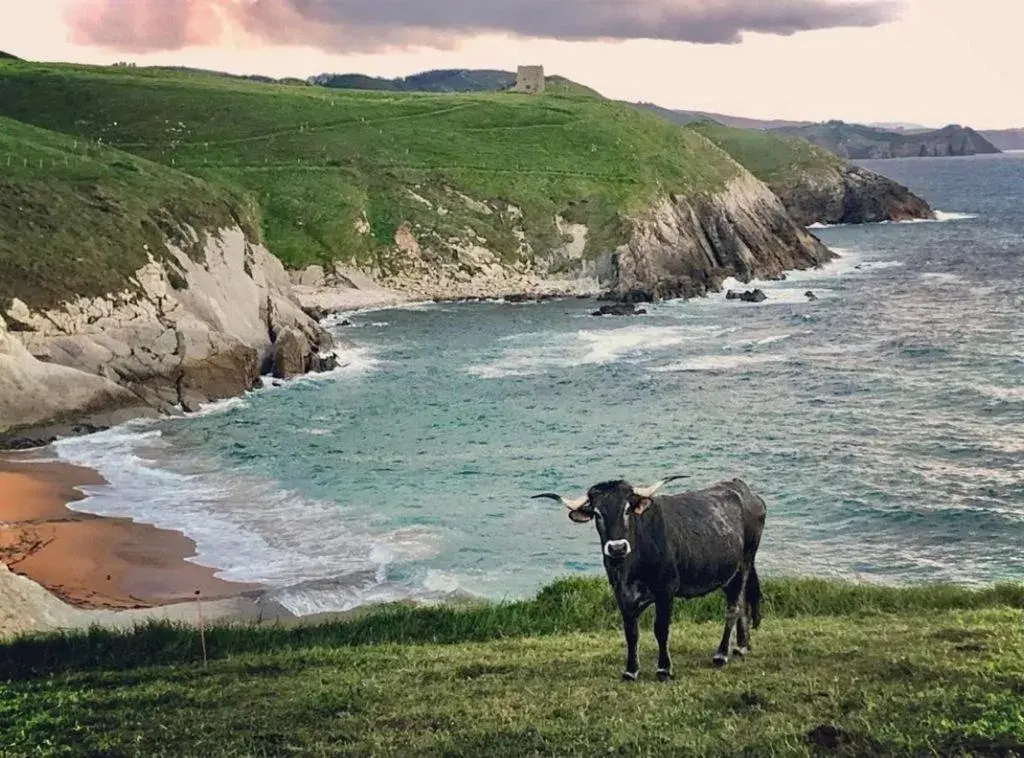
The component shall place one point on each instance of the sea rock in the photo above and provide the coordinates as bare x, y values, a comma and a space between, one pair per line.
619, 309
313, 276
749, 296
291, 354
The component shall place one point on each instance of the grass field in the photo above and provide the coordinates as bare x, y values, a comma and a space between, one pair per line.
835, 669
77, 219
314, 159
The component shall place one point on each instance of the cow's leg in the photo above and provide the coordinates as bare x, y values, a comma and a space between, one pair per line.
751, 609
733, 597
662, 622
632, 630
742, 630
743, 622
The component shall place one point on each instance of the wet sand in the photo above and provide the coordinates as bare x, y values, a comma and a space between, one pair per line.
91, 561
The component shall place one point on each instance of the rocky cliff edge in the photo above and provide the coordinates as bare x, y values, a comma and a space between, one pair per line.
849, 195
184, 333
686, 247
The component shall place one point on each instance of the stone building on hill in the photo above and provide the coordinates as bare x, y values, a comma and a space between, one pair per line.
529, 79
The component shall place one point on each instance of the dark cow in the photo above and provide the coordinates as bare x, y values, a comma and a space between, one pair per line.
687, 545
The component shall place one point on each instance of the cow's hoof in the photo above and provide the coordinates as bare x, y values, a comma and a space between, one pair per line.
664, 675
741, 651
720, 660
630, 676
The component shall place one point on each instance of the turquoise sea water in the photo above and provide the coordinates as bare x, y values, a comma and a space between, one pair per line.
883, 423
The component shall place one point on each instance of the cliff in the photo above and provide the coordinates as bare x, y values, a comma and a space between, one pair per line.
856, 142
686, 247
678, 246
814, 185
127, 287
178, 336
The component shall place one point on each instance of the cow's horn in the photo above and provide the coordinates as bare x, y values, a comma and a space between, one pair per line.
651, 489
572, 505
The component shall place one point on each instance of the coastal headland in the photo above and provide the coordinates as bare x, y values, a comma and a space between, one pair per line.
207, 246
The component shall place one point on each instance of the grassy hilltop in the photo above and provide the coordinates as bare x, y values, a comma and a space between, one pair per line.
315, 159
835, 669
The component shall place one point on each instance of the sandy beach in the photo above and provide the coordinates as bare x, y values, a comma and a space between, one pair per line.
88, 561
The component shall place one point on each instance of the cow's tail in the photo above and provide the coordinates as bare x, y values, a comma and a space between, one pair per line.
754, 597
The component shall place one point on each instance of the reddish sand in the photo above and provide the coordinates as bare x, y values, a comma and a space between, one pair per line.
90, 561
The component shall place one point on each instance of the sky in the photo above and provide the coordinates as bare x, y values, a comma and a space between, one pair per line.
930, 62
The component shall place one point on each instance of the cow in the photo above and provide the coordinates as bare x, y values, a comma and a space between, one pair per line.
658, 548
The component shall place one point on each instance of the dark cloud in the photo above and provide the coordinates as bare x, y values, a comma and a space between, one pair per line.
367, 25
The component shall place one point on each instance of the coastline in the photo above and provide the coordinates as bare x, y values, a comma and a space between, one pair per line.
90, 562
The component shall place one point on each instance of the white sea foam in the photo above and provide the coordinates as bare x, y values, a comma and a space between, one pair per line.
942, 277
718, 363
750, 342
354, 361
940, 217
588, 347
953, 216
1001, 393
792, 289
220, 406
424, 305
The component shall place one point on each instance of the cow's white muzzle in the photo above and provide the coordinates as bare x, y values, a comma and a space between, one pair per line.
617, 548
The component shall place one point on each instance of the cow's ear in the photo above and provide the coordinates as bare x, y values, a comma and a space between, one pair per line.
641, 504
581, 516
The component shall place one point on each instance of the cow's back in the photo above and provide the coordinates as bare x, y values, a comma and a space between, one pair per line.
710, 530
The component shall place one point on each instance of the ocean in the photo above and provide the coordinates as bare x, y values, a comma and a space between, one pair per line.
883, 423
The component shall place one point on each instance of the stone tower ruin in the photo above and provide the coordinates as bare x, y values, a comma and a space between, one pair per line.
530, 79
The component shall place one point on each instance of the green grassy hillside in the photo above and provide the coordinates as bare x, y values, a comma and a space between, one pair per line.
76, 218
768, 156
315, 159
849, 669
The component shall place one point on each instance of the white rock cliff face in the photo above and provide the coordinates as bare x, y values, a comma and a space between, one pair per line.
32, 392
157, 344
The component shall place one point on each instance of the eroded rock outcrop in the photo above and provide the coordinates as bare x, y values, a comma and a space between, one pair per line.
184, 333
685, 247
466, 268
849, 195
33, 392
